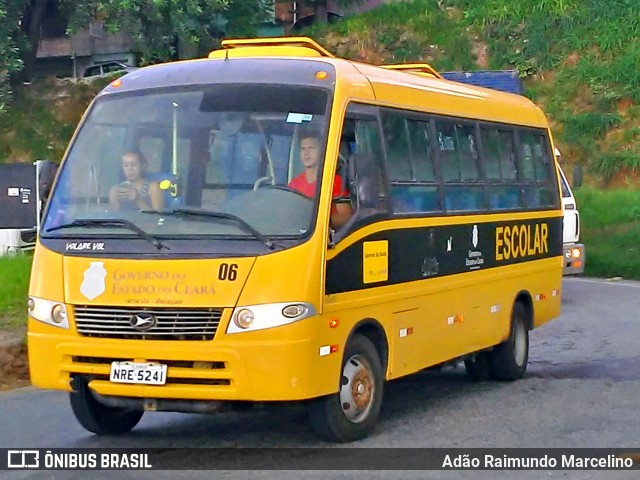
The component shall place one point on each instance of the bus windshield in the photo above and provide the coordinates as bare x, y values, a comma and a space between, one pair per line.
213, 160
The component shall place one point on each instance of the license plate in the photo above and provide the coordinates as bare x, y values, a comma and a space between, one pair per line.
130, 372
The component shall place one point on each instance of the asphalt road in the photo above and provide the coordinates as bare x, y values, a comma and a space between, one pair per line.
582, 389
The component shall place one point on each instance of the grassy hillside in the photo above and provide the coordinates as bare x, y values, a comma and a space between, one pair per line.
610, 231
580, 60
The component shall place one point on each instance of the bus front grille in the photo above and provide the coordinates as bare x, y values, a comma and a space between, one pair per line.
147, 323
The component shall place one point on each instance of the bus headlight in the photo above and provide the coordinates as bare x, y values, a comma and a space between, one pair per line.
46, 311
259, 317
243, 318
58, 313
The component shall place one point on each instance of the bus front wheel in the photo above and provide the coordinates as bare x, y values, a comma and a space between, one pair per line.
352, 412
509, 359
97, 417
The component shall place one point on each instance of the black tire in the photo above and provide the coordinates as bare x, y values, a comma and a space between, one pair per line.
509, 359
479, 367
333, 417
97, 417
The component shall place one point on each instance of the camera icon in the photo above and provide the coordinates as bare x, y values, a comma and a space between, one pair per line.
23, 459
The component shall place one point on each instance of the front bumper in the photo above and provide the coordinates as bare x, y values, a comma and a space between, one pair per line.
574, 259
197, 370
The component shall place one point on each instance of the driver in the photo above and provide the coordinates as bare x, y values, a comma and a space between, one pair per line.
305, 183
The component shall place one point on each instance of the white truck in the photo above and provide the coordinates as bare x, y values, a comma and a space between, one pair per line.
24, 188
574, 253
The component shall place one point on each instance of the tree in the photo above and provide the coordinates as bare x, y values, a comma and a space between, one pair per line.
159, 24
11, 41
30, 24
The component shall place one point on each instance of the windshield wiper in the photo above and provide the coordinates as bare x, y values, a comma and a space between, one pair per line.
227, 216
110, 222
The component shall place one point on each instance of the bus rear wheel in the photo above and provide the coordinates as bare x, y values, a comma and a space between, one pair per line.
97, 417
352, 412
509, 359
479, 367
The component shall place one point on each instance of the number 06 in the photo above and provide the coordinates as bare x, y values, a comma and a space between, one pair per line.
228, 272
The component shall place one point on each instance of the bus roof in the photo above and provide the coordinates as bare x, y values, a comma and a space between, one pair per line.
412, 86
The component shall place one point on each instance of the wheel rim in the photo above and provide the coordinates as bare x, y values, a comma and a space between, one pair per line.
357, 389
520, 342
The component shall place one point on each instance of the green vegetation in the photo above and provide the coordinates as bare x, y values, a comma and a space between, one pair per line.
398, 32
580, 60
14, 281
157, 26
610, 232
43, 118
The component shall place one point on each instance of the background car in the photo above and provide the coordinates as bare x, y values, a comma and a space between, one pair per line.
107, 68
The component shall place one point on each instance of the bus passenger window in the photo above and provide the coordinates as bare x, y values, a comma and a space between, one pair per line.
458, 154
539, 196
491, 145
421, 153
411, 168
398, 148
535, 163
508, 167
535, 166
464, 198
505, 197
500, 169
458, 158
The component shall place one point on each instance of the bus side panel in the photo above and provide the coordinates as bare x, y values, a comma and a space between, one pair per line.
547, 293
450, 288
470, 313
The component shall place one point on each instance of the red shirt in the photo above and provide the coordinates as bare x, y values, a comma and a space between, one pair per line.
300, 184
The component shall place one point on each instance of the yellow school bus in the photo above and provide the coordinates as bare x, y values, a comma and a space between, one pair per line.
272, 223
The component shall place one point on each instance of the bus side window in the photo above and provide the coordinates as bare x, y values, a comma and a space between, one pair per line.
410, 164
536, 167
363, 171
458, 156
505, 193
367, 143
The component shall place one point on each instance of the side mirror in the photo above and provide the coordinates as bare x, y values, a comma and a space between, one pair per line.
363, 180
576, 176
47, 174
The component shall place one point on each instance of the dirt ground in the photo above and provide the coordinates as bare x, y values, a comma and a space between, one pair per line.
14, 370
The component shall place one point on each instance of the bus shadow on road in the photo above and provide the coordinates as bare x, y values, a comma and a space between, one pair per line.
286, 424
429, 390
616, 369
